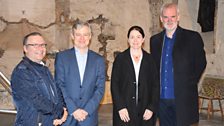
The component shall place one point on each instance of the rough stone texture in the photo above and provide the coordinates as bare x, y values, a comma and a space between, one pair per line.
2, 25
215, 60
6, 101
1, 52
41, 12
112, 19
155, 6
62, 10
213, 40
219, 37
189, 18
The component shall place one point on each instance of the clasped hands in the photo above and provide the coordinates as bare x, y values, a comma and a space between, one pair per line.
123, 113
80, 115
57, 122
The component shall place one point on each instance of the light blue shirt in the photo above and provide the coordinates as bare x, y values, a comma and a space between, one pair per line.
81, 60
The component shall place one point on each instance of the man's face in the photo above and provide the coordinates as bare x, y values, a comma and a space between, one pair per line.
35, 48
82, 37
170, 18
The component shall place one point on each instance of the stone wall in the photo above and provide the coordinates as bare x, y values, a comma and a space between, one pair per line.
213, 40
215, 60
110, 21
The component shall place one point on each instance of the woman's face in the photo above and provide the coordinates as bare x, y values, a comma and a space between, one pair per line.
135, 39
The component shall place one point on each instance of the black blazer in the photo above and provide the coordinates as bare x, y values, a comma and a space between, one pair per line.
123, 88
189, 62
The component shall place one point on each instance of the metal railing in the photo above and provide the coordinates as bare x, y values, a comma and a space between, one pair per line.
6, 84
8, 111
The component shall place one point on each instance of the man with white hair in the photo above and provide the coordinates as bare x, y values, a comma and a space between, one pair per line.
180, 58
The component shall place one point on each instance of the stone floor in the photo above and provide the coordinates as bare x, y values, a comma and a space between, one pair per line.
105, 118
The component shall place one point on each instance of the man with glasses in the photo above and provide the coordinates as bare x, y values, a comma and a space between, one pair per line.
80, 74
34, 92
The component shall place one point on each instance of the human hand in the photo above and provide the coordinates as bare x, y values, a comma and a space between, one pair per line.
57, 122
123, 113
85, 113
80, 115
65, 115
147, 115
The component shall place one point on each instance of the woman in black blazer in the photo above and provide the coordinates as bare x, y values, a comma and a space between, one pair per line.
134, 84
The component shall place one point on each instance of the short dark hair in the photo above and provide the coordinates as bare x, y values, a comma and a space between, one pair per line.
30, 34
137, 28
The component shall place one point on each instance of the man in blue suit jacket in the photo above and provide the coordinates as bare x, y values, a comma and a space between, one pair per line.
80, 74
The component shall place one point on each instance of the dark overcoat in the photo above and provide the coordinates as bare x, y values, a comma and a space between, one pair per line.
123, 89
189, 62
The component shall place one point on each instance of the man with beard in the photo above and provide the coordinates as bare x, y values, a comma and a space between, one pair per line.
180, 58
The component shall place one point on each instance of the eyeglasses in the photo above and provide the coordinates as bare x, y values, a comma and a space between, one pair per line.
37, 45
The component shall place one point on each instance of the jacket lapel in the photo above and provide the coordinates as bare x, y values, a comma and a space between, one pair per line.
142, 66
160, 43
178, 42
130, 65
143, 71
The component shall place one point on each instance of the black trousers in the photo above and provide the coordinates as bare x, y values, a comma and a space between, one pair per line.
167, 112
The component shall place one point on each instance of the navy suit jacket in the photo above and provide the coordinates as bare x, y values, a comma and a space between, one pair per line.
86, 96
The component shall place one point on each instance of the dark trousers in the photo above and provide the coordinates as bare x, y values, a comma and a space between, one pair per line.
167, 112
